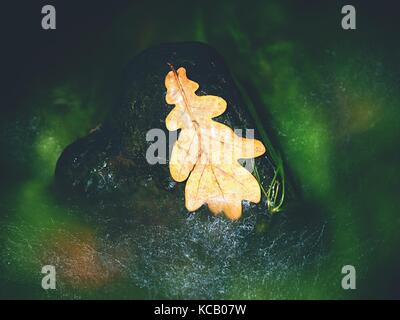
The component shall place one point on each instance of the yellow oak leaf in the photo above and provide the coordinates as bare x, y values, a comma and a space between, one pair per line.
207, 152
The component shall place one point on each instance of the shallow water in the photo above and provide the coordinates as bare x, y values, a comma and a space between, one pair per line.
327, 101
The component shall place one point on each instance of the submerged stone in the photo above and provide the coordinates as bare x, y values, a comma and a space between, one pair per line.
109, 167
138, 213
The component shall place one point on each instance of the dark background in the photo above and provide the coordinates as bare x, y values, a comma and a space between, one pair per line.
29, 51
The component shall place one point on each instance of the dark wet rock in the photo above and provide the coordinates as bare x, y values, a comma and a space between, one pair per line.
109, 167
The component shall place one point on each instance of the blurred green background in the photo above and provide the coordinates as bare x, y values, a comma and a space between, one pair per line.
328, 98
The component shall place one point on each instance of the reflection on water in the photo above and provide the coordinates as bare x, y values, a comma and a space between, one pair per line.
195, 258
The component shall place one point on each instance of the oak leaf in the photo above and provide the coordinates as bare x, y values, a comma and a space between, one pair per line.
208, 151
